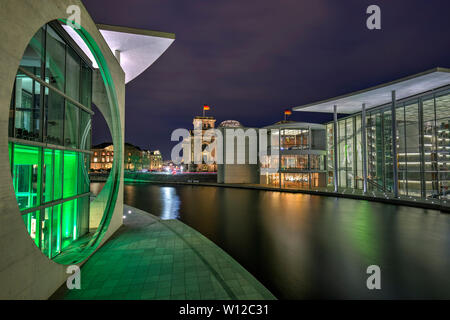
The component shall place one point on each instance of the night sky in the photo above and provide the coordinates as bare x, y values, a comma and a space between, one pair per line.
250, 60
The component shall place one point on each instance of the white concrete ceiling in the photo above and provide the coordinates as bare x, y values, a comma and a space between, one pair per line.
382, 94
139, 48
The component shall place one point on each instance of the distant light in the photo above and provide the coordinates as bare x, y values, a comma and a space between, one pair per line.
124, 217
129, 211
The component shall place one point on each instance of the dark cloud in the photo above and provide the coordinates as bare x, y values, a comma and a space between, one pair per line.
251, 59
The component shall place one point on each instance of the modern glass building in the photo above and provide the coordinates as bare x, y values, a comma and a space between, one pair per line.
393, 140
295, 156
50, 139
53, 70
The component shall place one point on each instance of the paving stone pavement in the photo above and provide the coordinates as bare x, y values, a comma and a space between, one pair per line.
149, 258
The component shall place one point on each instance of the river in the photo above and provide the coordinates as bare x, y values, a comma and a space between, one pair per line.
314, 247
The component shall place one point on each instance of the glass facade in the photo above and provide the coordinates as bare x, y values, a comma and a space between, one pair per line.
50, 135
423, 149
299, 161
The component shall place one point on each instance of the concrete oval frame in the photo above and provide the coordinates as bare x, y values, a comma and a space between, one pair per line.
25, 273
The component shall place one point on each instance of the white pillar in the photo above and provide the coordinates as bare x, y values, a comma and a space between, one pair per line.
335, 124
364, 146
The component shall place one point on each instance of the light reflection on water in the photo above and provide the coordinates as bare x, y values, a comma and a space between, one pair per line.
170, 203
301, 246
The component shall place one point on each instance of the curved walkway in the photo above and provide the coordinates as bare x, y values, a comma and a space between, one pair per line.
149, 258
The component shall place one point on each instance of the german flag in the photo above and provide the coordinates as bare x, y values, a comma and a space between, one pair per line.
206, 107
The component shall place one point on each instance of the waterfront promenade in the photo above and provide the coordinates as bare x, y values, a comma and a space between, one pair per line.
149, 258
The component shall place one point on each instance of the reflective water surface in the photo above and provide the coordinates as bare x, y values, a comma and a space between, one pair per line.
302, 246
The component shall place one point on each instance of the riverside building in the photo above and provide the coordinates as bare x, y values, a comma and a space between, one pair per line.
53, 70
394, 142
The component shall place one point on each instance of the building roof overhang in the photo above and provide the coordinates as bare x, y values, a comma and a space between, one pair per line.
136, 49
295, 125
382, 94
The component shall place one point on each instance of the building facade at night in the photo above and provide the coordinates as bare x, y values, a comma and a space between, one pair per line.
53, 70
394, 141
295, 157
206, 164
135, 159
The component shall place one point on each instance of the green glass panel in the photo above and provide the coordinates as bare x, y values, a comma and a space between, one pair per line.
26, 175
69, 222
31, 221
83, 215
83, 179
46, 231
47, 176
70, 174
56, 230
57, 177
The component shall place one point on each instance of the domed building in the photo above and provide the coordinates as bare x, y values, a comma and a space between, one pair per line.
230, 124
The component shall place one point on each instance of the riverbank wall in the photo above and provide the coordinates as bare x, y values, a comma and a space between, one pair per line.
212, 182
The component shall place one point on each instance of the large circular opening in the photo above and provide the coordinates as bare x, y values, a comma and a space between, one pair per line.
50, 139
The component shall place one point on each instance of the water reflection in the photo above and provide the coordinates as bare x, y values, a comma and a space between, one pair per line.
170, 203
303, 246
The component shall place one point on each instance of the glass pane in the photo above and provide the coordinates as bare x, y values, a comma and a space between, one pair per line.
26, 175
430, 148
31, 221
54, 115
69, 222
359, 156
83, 215
70, 174
27, 103
56, 230
72, 74
342, 154
55, 59
83, 178
33, 56
412, 145
388, 160
85, 130
330, 154
71, 124
401, 150
443, 143
47, 176
46, 231
86, 85
57, 182
349, 150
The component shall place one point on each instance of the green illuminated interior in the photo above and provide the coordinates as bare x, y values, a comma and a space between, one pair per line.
56, 226
48, 134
